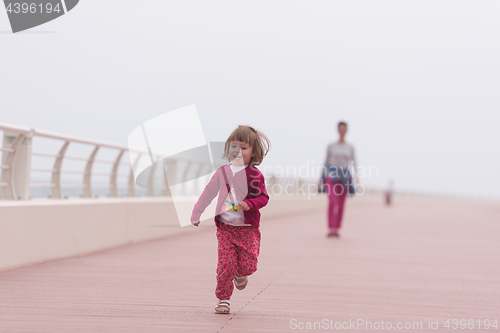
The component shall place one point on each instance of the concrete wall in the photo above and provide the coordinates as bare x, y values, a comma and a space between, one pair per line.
39, 230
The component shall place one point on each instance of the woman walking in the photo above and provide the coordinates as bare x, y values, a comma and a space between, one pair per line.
338, 179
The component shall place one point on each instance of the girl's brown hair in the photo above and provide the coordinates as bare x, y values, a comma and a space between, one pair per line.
257, 140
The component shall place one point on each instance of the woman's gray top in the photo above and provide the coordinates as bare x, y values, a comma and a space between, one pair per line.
341, 154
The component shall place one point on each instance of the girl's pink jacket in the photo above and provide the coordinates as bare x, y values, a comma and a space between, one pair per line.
249, 186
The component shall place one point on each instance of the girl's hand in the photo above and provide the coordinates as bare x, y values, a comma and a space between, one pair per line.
244, 206
195, 223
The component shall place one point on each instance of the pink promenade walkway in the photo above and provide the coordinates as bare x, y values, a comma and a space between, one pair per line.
417, 261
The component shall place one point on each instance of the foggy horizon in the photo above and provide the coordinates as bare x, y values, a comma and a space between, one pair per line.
415, 81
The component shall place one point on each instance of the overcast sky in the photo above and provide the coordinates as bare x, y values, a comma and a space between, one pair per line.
417, 81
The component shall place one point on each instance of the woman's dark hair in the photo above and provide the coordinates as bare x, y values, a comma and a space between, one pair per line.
342, 123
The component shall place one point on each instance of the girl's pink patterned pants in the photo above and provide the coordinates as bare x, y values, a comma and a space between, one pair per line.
238, 250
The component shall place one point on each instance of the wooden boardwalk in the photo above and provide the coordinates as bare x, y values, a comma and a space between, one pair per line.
420, 260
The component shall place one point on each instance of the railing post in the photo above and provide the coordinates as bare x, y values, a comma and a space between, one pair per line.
56, 172
201, 167
300, 182
166, 167
170, 168
87, 187
113, 186
16, 165
131, 180
184, 176
270, 182
151, 191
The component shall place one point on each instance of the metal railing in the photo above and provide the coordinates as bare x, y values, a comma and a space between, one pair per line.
16, 167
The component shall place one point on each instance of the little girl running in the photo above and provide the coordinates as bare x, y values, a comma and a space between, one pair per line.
242, 192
